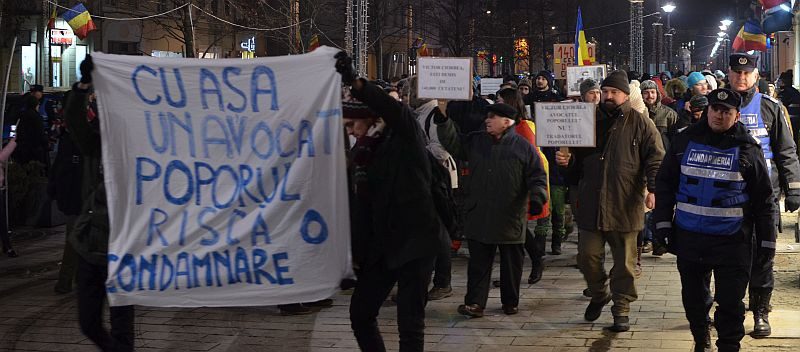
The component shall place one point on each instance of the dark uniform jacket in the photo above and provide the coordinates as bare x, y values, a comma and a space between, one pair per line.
399, 223
504, 174
759, 211
784, 150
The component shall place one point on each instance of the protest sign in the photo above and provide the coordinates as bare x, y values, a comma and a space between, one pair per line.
490, 85
564, 56
226, 179
444, 78
565, 124
577, 74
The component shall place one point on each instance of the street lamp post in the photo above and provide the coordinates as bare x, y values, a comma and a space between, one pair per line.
668, 8
726, 23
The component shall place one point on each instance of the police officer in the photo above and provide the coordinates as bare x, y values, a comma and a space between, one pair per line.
764, 118
712, 192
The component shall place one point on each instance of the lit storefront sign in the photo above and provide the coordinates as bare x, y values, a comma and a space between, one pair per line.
61, 37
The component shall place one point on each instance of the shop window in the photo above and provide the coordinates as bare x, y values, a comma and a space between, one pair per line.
123, 48
28, 66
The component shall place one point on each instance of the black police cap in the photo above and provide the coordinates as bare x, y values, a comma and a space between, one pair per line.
725, 97
743, 62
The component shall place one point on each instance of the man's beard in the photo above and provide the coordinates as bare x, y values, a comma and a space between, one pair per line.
609, 105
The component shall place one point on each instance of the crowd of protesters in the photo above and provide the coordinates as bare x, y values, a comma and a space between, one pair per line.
473, 176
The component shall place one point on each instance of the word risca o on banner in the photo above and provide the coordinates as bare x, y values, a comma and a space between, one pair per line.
226, 179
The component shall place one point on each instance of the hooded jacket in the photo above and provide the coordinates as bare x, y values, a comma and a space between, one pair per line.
612, 176
663, 116
759, 211
674, 85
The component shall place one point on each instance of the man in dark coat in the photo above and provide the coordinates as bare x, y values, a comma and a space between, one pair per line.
32, 144
90, 235
396, 230
506, 173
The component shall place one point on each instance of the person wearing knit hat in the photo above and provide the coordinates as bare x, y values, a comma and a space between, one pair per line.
590, 91
544, 90
612, 211
618, 80
697, 86
524, 87
382, 166
712, 82
663, 116
697, 83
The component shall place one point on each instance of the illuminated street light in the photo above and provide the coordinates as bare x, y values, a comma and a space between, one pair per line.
668, 8
726, 22
488, 12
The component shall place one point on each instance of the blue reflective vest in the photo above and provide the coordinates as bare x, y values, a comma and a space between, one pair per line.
751, 118
711, 191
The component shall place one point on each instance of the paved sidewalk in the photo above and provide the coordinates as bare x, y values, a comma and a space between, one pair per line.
33, 318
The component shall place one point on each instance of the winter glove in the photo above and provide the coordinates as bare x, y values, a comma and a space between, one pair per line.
344, 65
86, 69
536, 205
792, 202
662, 241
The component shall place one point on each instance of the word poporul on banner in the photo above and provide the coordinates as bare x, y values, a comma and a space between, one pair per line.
225, 179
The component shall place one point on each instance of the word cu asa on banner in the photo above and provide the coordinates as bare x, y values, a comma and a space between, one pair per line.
226, 179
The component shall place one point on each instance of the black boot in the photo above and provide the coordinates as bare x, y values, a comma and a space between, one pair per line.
761, 326
703, 343
536, 271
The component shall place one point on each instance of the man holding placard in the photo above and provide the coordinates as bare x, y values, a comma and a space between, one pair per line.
610, 180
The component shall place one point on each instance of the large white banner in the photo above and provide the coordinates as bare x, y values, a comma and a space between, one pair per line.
226, 179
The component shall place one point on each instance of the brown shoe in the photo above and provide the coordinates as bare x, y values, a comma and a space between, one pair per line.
438, 293
471, 310
510, 310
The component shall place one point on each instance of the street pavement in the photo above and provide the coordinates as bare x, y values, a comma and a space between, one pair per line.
34, 318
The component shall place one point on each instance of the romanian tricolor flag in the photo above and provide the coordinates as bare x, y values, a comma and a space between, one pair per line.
313, 43
79, 19
750, 37
423, 51
51, 22
581, 48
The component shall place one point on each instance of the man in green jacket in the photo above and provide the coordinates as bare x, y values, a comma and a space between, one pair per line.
506, 174
611, 197
90, 234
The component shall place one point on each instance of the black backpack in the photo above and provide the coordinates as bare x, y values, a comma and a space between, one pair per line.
443, 198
